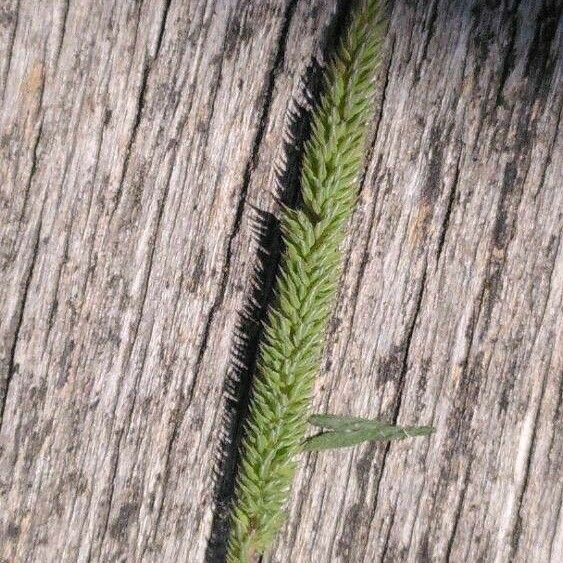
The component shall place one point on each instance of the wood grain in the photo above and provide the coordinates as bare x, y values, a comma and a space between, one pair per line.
140, 145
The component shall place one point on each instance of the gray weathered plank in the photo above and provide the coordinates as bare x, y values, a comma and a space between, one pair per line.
137, 142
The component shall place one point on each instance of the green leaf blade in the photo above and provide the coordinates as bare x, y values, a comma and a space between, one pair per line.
346, 431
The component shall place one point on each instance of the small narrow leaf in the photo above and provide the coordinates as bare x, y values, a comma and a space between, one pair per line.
379, 432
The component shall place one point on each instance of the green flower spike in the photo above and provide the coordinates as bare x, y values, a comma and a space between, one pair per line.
294, 334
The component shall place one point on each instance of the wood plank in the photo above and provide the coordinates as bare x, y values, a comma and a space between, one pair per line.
143, 145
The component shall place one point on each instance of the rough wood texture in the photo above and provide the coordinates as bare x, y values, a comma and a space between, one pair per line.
139, 139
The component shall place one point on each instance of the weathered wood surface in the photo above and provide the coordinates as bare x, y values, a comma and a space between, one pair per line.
137, 141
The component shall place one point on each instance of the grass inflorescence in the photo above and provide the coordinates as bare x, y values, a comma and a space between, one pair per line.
294, 333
